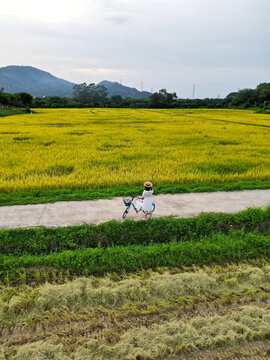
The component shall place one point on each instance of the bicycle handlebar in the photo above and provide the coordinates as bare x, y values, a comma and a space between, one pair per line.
134, 196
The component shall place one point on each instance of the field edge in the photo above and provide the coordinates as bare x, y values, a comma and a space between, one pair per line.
41, 196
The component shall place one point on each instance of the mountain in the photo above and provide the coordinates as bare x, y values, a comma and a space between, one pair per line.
33, 81
114, 88
40, 83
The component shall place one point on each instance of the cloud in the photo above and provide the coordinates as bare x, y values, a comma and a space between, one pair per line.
118, 19
219, 45
49, 11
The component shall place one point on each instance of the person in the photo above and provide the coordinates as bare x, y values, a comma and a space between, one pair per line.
147, 199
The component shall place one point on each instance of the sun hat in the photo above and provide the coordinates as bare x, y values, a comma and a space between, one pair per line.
148, 184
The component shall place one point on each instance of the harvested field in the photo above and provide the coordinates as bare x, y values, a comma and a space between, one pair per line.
214, 312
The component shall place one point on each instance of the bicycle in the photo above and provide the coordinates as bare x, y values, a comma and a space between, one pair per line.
137, 207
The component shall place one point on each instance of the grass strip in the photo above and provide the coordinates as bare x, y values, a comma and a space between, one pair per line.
42, 196
220, 248
4, 112
39, 241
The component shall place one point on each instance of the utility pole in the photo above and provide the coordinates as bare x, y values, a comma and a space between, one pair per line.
152, 90
121, 81
141, 85
193, 91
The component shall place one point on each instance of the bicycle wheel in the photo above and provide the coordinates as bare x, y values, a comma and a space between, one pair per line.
126, 212
153, 209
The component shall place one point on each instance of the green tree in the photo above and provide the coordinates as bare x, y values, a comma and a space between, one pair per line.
116, 101
89, 95
163, 99
262, 93
244, 98
25, 99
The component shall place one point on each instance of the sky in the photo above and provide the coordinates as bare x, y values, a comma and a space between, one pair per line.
218, 45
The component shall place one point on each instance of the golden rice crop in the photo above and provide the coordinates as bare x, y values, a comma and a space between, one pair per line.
83, 148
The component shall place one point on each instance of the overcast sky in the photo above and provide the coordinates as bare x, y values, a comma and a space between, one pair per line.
219, 45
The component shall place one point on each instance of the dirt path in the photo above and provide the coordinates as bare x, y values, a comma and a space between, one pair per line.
96, 211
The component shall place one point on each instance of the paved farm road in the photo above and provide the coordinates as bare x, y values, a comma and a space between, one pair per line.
66, 213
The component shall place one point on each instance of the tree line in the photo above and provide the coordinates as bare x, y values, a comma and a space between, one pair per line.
19, 100
92, 95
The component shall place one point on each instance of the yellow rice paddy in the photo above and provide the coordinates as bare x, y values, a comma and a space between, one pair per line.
96, 148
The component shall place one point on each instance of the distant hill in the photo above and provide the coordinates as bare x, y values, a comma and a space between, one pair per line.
40, 83
114, 88
33, 81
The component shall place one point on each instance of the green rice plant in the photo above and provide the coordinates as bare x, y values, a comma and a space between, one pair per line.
8, 326
31, 323
263, 295
23, 276
46, 276
111, 336
7, 279
54, 276
37, 276
85, 272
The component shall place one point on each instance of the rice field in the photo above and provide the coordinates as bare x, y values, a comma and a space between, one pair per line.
215, 312
98, 148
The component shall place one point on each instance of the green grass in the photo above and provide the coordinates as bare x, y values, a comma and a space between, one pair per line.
12, 112
42, 241
51, 195
219, 248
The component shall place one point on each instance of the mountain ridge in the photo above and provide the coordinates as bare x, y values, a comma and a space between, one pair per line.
115, 88
40, 83
14, 78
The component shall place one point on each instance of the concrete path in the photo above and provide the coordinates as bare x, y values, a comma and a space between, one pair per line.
66, 213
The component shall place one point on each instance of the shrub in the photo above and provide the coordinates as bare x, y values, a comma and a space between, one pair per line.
219, 248
112, 233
